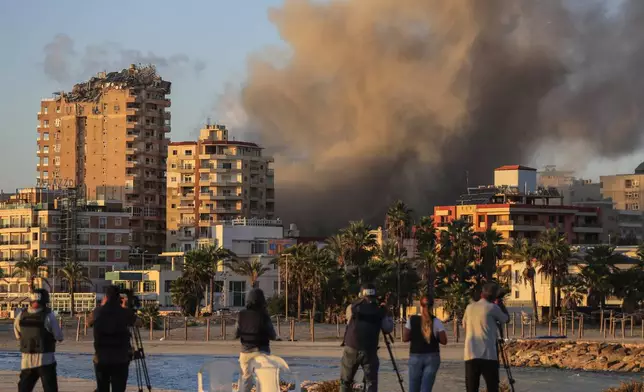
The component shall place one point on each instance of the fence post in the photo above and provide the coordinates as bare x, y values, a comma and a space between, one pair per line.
601, 321
402, 325
632, 325
337, 326
292, 330
579, 327
507, 330
61, 324
151, 328
605, 329
165, 328
279, 327
185, 328
85, 327
550, 327
458, 331
623, 327
223, 327
454, 327
78, 328
611, 325
522, 329
208, 329
572, 323
514, 324
565, 321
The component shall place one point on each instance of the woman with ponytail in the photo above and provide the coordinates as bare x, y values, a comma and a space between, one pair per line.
424, 332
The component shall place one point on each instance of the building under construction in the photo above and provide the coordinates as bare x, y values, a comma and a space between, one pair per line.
108, 136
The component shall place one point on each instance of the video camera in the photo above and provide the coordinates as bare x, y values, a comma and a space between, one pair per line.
129, 299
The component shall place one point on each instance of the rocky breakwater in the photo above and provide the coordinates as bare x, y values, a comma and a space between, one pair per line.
594, 356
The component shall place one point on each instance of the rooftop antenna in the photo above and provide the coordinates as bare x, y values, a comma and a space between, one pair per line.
208, 121
467, 179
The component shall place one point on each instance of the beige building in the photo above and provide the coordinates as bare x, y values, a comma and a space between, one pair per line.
213, 180
550, 177
624, 190
108, 136
42, 225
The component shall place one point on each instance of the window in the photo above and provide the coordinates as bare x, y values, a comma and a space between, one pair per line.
117, 238
516, 294
117, 255
117, 221
102, 222
45, 109
102, 255
45, 174
57, 161
57, 122
45, 161
516, 276
238, 292
187, 152
276, 285
149, 286
45, 136
101, 272
57, 148
34, 237
117, 108
45, 149
167, 285
45, 123
174, 152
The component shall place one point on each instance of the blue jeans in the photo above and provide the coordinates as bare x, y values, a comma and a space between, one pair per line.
422, 371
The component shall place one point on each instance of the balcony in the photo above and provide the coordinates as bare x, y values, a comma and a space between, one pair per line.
186, 222
186, 168
186, 207
227, 197
511, 225
588, 228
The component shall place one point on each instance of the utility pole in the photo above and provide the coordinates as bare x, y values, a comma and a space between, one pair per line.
286, 257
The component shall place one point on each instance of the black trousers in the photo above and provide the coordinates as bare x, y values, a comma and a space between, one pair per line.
354, 359
46, 374
475, 368
114, 375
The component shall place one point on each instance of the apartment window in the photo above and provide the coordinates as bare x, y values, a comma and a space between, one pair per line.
167, 285
516, 294
45, 109
187, 152
45, 136
58, 109
45, 161
118, 254
174, 152
57, 161
45, 149
117, 238
57, 122
173, 206
34, 237
102, 222
45, 123
238, 292
117, 222
149, 286
45, 174
102, 256
101, 272
56, 147
102, 239
117, 108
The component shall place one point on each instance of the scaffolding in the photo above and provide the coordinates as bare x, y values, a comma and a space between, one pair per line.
69, 205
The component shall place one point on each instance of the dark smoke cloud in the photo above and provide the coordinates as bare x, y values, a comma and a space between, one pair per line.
64, 65
385, 99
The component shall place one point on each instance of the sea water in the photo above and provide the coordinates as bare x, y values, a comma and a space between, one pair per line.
179, 372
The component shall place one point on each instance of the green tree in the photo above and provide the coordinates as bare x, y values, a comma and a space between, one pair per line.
521, 252
491, 249
291, 268
627, 285
253, 269
552, 254
217, 257
337, 248
186, 294
595, 273
360, 245
149, 313
317, 269
398, 222
427, 253
198, 269
74, 274
31, 268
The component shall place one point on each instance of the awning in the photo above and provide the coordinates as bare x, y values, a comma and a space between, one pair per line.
14, 300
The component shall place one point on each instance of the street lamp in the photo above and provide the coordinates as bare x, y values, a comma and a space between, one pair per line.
286, 255
143, 259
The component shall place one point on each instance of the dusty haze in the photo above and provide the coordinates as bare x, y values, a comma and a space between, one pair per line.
385, 99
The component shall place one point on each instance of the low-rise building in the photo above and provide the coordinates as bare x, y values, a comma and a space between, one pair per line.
150, 285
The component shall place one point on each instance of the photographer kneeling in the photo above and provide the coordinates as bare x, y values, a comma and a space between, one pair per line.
482, 321
112, 322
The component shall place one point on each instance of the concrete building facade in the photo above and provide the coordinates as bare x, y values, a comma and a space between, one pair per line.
625, 192
108, 137
38, 229
214, 180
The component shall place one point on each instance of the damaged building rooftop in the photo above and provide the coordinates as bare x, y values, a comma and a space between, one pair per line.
134, 77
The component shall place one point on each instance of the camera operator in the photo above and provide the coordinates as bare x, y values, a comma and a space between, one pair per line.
482, 322
366, 319
112, 322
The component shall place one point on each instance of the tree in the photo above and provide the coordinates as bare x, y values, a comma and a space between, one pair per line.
291, 267
149, 314
253, 269
552, 253
337, 248
360, 245
521, 252
31, 269
216, 256
186, 294
398, 222
197, 269
74, 274
595, 273
317, 267
491, 249
627, 286
427, 253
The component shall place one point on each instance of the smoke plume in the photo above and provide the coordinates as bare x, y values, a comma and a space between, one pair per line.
385, 99
65, 65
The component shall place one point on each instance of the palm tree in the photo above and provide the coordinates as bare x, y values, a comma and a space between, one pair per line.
398, 221
360, 244
552, 253
596, 269
187, 294
295, 257
337, 247
458, 245
217, 256
521, 252
253, 269
73, 273
627, 285
317, 269
198, 267
427, 253
491, 248
31, 268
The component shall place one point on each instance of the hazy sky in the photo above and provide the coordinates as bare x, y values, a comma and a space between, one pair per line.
203, 46
205, 42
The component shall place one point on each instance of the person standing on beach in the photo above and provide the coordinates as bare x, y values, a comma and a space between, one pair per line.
38, 331
424, 332
112, 322
366, 319
482, 321
255, 330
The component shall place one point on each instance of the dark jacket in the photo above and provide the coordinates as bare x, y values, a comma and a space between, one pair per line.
255, 330
112, 333
34, 337
363, 331
418, 344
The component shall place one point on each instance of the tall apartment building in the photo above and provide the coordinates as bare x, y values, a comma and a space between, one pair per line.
42, 224
108, 137
625, 190
214, 180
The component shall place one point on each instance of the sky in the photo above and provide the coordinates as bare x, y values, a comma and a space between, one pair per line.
205, 45
215, 36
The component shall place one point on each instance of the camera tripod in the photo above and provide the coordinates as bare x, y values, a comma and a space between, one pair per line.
138, 357
388, 342
506, 363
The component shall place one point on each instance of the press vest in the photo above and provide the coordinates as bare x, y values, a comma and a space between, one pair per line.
34, 337
111, 330
252, 329
418, 344
363, 331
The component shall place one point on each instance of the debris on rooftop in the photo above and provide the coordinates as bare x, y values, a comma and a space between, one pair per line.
141, 76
